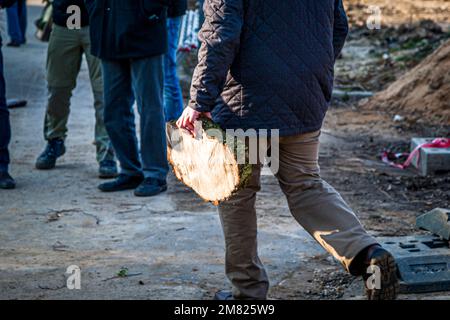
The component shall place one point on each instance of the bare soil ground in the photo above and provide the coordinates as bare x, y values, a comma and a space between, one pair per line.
399, 11
172, 245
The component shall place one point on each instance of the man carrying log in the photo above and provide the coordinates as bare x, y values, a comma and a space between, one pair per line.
266, 64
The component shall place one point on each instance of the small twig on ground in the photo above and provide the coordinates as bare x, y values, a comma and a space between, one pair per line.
385, 193
405, 197
64, 211
49, 288
123, 277
131, 210
97, 219
55, 215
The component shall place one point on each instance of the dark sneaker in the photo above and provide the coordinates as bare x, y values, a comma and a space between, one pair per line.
107, 169
122, 182
6, 181
13, 44
150, 187
383, 265
47, 160
223, 295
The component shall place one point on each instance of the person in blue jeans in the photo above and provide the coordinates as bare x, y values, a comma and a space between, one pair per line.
173, 97
6, 181
17, 23
133, 71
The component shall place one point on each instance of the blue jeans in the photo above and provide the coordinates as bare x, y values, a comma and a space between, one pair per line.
141, 80
202, 14
173, 97
5, 128
17, 21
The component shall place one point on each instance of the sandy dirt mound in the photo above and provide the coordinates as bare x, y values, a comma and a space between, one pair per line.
422, 94
398, 11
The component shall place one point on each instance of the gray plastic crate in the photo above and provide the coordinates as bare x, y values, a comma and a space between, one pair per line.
423, 262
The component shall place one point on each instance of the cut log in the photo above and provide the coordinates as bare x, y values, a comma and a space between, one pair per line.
206, 163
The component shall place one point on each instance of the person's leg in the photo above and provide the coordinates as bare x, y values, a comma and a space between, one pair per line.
242, 264
326, 216
14, 30
173, 97
314, 203
23, 19
119, 116
147, 77
104, 148
5, 128
63, 65
6, 181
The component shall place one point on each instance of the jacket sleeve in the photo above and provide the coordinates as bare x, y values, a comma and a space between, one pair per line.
340, 29
7, 3
220, 40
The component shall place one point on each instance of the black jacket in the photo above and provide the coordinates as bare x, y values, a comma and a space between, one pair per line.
7, 3
124, 29
177, 8
268, 64
60, 14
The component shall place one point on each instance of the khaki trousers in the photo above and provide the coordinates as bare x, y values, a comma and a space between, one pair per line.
314, 204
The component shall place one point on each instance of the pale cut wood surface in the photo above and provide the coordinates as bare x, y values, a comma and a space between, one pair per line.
204, 164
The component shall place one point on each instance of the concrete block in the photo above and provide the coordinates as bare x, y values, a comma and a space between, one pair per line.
423, 262
431, 160
436, 221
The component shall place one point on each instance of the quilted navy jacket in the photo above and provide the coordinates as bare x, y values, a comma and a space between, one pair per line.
268, 64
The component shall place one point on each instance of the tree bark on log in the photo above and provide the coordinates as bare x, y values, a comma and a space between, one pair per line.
206, 163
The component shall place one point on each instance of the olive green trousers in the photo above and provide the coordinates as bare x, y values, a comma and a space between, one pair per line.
65, 51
